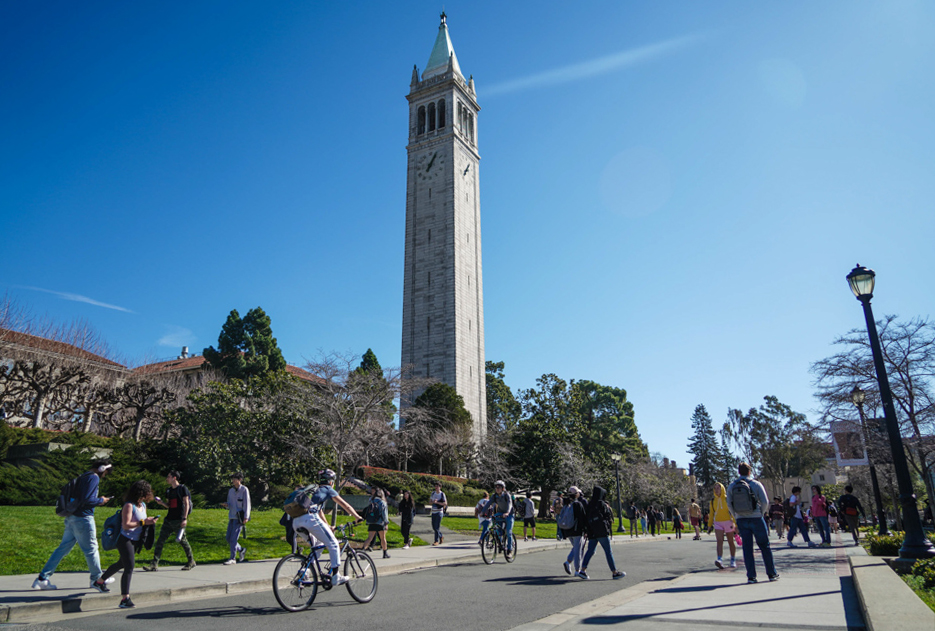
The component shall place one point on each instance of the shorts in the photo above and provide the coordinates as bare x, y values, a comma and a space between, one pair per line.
375, 527
696, 521
724, 526
529, 522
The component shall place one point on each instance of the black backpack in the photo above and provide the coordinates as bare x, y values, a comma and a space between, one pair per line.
68, 503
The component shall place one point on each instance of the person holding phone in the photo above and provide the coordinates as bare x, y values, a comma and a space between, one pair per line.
179, 505
238, 514
132, 519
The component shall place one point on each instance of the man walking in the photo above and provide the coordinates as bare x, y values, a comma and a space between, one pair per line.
694, 515
80, 528
238, 514
633, 519
180, 506
439, 503
796, 518
747, 501
529, 517
851, 507
777, 515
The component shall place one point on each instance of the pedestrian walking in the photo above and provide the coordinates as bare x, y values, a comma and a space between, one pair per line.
238, 514
797, 522
677, 523
747, 502
777, 516
600, 527
820, 513
377, 517
832, 516
632, 517
575, 506
132, 520
643, 521
483, 512
651, 519
180, 507
439, 504
502, 505
724, 525
407, 512
79, 526
529, 516
557, 505
851, 508
694, 516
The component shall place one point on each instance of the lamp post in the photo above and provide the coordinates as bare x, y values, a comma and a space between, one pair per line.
858, 397
616, 458
915, 545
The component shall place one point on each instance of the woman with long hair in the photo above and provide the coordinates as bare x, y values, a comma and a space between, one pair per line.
724, 525
407, 511
378, 519
132, 519
820, 513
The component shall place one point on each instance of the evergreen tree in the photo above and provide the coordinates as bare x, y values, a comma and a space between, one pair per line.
607, 424
369, 363
246, 347
445, 405
704, 447
503, 410
370, 368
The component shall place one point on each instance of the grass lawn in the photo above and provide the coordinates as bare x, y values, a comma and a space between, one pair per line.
30, 533
544, 529
927, 595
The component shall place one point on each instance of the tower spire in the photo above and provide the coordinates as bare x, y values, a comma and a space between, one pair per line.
442, 53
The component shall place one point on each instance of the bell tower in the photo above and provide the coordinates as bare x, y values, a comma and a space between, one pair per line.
443, 296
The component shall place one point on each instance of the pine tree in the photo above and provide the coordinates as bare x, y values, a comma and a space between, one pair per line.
246, 347
705, 449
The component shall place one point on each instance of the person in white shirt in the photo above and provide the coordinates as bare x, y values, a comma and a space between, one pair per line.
439, 503
797, 520
482, 512
529, 517
238, 514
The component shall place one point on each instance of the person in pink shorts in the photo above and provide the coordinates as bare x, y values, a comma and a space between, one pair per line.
724, 525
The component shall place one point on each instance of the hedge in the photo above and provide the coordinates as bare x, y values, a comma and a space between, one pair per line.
422, 485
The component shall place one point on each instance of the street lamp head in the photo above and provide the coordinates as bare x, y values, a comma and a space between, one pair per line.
858, 396
615, 457
861, 281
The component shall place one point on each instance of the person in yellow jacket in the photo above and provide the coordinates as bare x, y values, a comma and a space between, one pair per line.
724, 525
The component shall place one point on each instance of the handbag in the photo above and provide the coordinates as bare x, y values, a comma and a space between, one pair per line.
148, 536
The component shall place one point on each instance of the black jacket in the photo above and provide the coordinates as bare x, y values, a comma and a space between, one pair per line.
600, 520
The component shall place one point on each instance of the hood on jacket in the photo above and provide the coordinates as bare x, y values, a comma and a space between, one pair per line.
598, 494
719, 490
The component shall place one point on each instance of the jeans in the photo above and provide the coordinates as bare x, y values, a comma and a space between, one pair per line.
80, 530
755, 528
634, 528
592, 544
405, 527
484, 527
796, 523
234, 528
437, 526
508, 530
575, 554
170, 527
824, 529
852, 525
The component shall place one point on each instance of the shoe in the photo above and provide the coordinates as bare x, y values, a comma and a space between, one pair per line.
534, 539
789, 544
100, 586
567, 568
774, 578
582, 574
525, 538
243, 555
386, 554
126, 603
618, 574
441, 540
719, 564
152, 567
189, 566
338, 579
751, 581
812, 544
43, 583
435, 543
406, 547
229, 562
110, 580
827, 544
733, 563
368, 549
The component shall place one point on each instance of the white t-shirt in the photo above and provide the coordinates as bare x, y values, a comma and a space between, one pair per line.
793, 499
437, 499
480, 508
530, 509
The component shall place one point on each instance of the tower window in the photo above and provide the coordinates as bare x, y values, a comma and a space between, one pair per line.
471, 127
428, 327
430, 235
429, 282
431, 116
421, 121
441, 113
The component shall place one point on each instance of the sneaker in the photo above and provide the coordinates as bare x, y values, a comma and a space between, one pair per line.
567, 568
338, 579
100, 586
812, 544
751, 581
719, 564
789, 544
441, 540
229, 562
189, 566
733, 563
386, 554
525, 538
43, 583
406, 547
152, 567
618, 574
582, 574
534, 539
110, 580
434, 543
126, 603
773, 578
243, 555
826, 544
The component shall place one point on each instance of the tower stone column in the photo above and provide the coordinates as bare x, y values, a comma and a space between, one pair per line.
443, 291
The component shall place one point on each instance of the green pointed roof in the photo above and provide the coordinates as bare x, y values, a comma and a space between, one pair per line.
441, 53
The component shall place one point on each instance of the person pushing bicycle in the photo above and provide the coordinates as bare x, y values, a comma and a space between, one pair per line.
318, 526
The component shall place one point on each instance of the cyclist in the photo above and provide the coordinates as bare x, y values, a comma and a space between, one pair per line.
503, 510
318, 526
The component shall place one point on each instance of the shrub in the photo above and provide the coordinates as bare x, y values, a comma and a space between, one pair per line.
925, 569
885, 545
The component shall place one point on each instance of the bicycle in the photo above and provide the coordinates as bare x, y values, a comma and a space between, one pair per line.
495, 541
297, 577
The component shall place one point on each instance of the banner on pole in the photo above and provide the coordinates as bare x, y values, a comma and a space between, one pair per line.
849, 449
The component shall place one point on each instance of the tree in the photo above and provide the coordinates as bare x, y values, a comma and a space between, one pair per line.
775, 440
503, 410
909, 358
447, 436
246, 347
704, 447
370, 365
607, 424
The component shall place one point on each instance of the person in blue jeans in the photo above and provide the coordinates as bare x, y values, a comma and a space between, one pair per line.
80, 528
439, 503
748, 503
600, 527
502, 505
797, 520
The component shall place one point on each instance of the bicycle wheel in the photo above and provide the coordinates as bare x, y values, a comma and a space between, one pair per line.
488, 548
510, 553
293, 585
361, 576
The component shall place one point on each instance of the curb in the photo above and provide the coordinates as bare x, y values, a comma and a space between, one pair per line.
886, 602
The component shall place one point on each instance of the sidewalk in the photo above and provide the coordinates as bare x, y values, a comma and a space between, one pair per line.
815, 591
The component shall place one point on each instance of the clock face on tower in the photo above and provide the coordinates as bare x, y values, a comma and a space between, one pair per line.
430, 165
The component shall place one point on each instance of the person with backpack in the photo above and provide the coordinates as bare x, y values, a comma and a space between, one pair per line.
571, 522
600, 527
407, 512
483, 511
78, 501
632, 517
132, 519
747, 502
724, 525
439, 504
851, 508
180, 507
820, 513
502, 505
677, 522
377, 517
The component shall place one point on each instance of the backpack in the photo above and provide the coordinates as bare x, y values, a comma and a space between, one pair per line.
373, 513
744, 500
566, 517
111, 531
832, 511
67, 504
298, 503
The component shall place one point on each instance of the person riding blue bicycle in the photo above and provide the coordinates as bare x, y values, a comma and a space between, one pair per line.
318, 526
503, 509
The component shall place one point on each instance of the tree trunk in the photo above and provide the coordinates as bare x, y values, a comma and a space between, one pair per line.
39, 411
88, 415
138, 427
545, 499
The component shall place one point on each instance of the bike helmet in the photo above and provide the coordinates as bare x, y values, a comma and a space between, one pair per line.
326, 476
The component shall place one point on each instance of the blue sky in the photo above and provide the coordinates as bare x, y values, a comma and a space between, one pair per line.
671, 193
